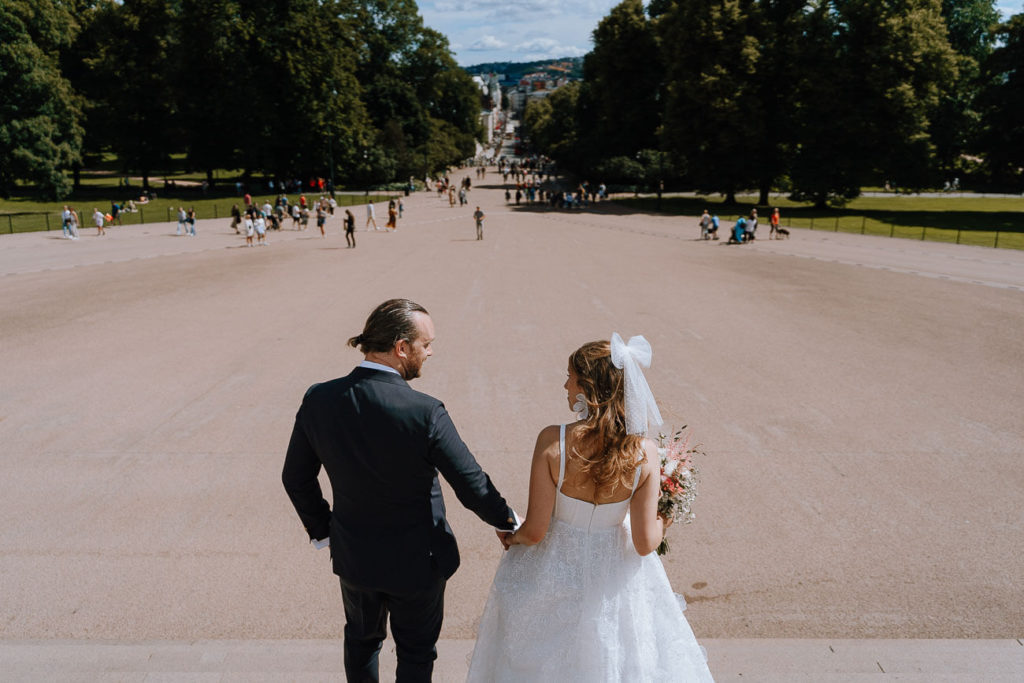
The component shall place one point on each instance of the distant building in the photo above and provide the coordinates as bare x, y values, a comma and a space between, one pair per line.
490, 91
537, 85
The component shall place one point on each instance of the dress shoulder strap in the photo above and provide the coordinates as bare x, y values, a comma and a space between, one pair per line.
561, 456
636, 478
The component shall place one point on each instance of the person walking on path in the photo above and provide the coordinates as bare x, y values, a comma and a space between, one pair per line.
382, 445
774, 222
182, 217
261, 228
705, 225
478, 216
98, 218
236, 218
321, 218
190, 221
350, 230
65, 222
371, 216
392, 223
73, 223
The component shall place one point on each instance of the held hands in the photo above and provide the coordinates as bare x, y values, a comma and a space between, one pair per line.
506, 538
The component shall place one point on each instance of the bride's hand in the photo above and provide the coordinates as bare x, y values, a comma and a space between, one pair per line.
667, 522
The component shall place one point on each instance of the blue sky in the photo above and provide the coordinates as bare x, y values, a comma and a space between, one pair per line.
527, 30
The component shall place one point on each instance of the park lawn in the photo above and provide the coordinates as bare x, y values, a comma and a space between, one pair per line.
983, 221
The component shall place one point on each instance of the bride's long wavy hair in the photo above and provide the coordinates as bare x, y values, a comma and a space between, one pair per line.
615, 455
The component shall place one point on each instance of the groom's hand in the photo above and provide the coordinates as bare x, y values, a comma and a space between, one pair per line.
505, 538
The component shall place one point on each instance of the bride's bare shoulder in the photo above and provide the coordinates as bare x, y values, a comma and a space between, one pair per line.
548, 437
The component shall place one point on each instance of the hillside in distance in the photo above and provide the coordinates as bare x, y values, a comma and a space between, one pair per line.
570, 66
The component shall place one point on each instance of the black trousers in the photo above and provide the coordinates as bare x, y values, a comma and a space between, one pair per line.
415, 625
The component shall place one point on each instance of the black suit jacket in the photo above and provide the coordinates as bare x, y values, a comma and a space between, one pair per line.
383, 444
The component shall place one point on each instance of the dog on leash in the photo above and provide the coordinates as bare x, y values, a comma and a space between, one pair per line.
782, 232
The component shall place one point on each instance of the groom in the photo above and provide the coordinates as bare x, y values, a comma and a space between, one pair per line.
382, 445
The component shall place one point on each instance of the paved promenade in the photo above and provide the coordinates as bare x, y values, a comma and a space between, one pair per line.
858, 397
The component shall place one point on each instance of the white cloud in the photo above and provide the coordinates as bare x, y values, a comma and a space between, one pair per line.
487, 43
544, 48
1008, 9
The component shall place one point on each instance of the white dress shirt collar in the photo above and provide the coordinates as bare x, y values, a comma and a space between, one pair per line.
377, 366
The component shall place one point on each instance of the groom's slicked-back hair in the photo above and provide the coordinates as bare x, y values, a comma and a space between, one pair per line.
390, 323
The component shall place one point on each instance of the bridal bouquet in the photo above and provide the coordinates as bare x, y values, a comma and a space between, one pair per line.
678, 480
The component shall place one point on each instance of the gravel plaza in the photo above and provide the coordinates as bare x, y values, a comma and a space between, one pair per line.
858, 399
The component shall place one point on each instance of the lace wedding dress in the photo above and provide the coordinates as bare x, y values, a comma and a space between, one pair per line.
582, 605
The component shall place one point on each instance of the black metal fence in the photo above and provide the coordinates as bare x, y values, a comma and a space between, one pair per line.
873, 226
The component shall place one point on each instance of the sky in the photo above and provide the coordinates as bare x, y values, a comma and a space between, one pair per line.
528, 30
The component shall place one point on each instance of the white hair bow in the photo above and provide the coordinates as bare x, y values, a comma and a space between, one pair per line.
640, 404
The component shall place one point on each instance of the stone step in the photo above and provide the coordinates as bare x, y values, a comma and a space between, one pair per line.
765, 660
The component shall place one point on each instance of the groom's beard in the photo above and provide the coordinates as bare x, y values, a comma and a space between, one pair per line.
411, 372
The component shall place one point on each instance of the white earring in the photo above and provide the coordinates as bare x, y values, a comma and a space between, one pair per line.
580, 407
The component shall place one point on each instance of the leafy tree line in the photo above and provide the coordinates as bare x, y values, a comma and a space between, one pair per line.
818, 98
281, 88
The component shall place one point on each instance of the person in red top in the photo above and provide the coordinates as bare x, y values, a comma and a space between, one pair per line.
775, 224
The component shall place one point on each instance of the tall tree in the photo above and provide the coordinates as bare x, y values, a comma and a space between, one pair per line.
136, 60
624, 72
40, 131
710, 119
870, 86
298, 109
424, 106
780, 30
208, 60
1002, 101
970, 28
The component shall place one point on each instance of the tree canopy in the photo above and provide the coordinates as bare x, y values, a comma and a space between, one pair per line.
287, 89
40, 114
815, 97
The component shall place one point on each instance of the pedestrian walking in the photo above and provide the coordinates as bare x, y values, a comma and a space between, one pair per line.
261, 228
98, 218
65, 222
321, 218
350, 230
371, 216
182, 217
478, 216
73, 223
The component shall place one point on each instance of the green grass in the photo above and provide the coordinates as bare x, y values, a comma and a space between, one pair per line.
982, 221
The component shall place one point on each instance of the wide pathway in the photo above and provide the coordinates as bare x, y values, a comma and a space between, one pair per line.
858, 399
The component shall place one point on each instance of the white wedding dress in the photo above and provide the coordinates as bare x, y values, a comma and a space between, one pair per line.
582, 605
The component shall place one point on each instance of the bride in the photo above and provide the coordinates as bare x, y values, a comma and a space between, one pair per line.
580, 596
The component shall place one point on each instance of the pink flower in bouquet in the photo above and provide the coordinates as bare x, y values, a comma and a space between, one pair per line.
678, 481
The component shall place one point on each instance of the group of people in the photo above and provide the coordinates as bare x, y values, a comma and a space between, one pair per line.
396, 209
745, 228
186, 221
579, 594
71, 220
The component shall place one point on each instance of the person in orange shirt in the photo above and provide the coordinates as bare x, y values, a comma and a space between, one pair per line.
775, 224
